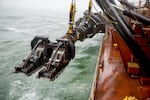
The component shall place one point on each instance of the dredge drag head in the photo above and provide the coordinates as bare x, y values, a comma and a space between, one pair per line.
53, 56
36, 58
60, 58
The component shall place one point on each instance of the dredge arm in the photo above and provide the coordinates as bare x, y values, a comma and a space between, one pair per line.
55, 56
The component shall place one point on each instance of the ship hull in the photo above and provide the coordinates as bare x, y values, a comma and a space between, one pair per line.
113, 80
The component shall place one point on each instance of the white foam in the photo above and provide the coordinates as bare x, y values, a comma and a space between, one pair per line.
29, 96
15, 86
14, 29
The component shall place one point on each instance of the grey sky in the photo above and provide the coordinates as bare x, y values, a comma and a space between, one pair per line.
43, 4
55, 5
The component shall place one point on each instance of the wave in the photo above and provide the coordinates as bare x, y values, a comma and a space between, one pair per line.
24, 32
10, 17
13, 29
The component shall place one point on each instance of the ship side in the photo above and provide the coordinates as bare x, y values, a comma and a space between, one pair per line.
119, 74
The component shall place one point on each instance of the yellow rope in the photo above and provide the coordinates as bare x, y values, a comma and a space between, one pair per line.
90, 7
71, 17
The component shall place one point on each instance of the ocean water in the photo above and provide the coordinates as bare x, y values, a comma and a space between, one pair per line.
17, 29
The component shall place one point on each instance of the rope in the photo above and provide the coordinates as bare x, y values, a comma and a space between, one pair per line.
90, 7
72, 17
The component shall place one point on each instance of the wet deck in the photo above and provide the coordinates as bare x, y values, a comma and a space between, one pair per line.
113, 82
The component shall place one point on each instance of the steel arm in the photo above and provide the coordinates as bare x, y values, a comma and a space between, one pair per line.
55, 56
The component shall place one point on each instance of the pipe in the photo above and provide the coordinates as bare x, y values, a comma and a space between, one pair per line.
126, 34
137, 16
127, 4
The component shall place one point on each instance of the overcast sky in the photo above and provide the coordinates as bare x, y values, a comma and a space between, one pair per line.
55, 5
44, 4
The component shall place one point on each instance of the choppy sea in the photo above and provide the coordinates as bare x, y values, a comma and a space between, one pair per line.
17, 29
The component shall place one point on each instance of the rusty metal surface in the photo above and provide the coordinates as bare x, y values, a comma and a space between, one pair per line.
113, 82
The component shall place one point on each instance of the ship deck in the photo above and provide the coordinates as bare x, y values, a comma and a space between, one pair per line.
112, 80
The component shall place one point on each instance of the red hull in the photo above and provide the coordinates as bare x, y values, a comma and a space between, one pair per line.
116, 76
